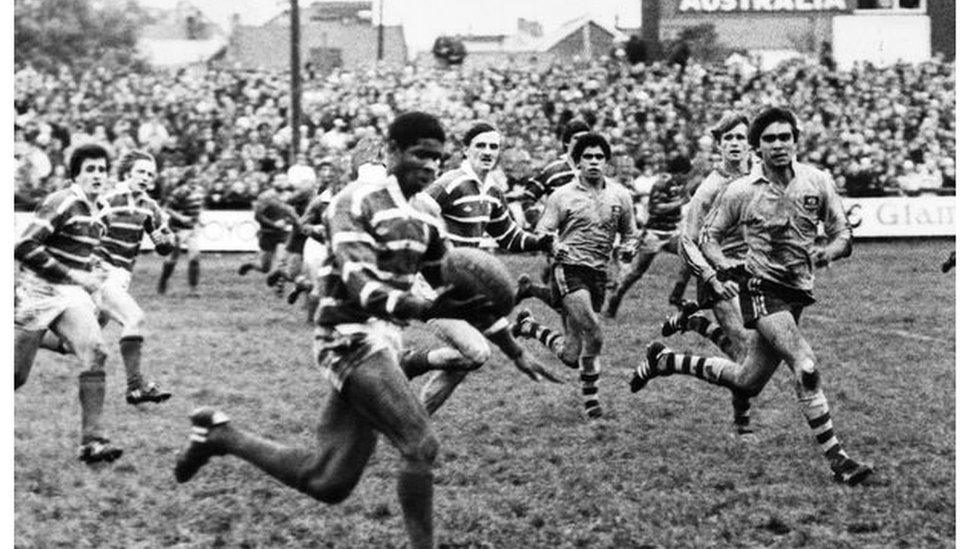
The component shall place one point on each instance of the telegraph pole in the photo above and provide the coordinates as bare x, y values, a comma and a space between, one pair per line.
379, 35
296, 82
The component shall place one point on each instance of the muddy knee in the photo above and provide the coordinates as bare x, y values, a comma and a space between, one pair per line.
421, 451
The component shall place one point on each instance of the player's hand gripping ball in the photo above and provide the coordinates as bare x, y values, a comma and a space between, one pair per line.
475, 272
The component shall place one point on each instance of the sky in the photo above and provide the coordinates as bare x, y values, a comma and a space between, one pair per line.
424, 20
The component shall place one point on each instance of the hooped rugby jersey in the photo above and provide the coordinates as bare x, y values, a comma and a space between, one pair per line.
471, 208
554, 175
187, 201
62, 235
128, 214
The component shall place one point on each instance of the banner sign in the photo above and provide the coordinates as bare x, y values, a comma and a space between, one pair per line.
895, 216
761, 6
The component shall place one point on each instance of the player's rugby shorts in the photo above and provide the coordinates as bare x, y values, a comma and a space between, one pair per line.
759, 297
342, 348
40, 303
567, 279
269, 240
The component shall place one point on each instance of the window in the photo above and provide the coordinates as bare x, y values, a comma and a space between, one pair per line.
895, 6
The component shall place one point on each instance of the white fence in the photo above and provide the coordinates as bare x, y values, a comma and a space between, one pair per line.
897, 216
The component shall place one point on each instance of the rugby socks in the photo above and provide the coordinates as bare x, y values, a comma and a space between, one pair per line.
414, 362
741, 416
415, 488
661, 361
168, 268
91, 393
704, 327
131, 349
813, 403
589, 379
530, 327
193, 273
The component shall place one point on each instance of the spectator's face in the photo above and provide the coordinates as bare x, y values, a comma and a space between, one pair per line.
142, 175
484, 150
416, 165
732, 145
776, 145
92, 176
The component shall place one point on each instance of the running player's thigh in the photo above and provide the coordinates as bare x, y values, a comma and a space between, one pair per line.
579, 310
119, 305
729, 317
346, 440
461, 335
781, 332
193, 243
760, 363
78, 324
378, 390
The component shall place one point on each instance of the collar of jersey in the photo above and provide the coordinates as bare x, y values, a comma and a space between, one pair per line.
76, 189
756, 173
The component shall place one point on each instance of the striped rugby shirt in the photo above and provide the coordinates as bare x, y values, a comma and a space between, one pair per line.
702, 202
664, 208
554, 175
779, 223
378, 243
471, 208
127, 214
269, 208
314, 215
186, 201
62, 235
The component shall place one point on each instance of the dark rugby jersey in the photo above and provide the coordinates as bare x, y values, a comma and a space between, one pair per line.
315, 215
556, 174
471, 208
127, 214
664, 207
62, 235
377, 244
187, 201
270, 208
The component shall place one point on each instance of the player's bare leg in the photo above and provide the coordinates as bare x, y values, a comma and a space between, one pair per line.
527, 288
193, 263
583, 320
120, 306
631, 274
169, 266
782, 333
375, 397
79, 327
468, 350
26, 343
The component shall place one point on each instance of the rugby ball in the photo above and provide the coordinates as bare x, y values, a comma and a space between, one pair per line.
477, 272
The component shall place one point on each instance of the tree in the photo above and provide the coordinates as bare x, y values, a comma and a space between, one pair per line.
449, 50
636, 50
77, 33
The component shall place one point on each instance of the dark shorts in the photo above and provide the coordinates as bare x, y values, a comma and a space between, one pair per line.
759, 297
566, 279
296, 242
268, 240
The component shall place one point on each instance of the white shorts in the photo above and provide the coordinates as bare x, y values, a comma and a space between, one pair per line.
341, 349
115, 278
40, 303
313, 256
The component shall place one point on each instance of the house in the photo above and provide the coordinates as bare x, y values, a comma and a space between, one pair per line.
582, 37
333, 34
181, 36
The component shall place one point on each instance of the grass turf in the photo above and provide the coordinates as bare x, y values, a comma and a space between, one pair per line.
519, 467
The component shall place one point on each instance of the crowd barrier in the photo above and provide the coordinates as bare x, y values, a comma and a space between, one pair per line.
894, 217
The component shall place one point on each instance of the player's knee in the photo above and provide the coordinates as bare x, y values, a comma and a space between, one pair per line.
330, 490
807, 382
423, 450
478, 353
92, 351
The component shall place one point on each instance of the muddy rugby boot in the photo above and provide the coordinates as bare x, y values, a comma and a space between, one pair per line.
201, 448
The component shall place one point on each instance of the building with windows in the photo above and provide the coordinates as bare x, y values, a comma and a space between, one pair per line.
879, 31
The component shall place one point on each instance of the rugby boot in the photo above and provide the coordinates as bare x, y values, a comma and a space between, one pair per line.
98, 450
149, 393
524, 289
648, 368
302, 286
246, 268
275, 277
196, 455
678, 321
521, 319
849, 471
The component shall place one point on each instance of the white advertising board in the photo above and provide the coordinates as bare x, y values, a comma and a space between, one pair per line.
896, 216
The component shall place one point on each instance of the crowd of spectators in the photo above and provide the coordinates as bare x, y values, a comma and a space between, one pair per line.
877, 130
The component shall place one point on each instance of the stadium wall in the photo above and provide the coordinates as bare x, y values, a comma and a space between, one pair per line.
887, 217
